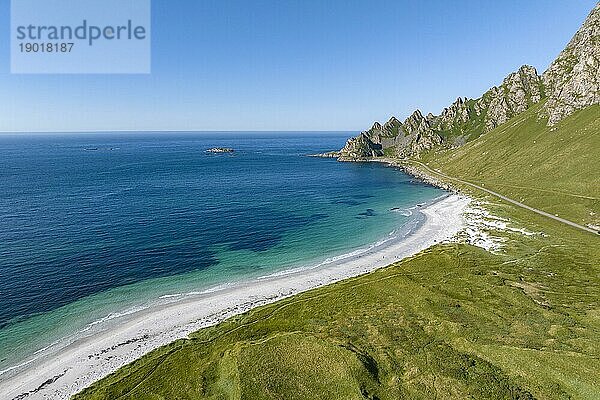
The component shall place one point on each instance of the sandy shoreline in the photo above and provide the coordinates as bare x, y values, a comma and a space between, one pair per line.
76, 366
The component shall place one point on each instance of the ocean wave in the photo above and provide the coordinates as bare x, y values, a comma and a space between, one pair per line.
169, 296
212, 289
47, 347
112, 316
17, 366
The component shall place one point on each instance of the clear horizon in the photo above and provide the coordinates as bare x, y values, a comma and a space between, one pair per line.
299, 66
333, 131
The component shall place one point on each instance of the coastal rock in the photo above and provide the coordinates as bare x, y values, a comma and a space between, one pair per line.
329, 154
573, 80
406, 139
422, 176
361, 147
419, 137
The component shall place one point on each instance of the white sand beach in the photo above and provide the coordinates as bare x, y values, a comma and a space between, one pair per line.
58, 375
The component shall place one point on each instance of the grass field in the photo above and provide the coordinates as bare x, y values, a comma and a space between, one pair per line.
454, 322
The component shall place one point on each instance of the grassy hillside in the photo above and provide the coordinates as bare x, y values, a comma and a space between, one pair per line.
554, 169
454, 322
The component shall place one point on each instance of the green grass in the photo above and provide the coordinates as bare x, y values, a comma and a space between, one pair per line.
554, 169
454, 322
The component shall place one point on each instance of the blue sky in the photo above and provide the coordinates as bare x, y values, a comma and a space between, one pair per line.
296, 65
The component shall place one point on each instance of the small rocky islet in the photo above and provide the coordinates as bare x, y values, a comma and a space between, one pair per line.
220, 150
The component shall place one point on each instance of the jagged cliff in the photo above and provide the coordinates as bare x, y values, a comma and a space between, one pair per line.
411, 137
573, 79
469, 118
570, 83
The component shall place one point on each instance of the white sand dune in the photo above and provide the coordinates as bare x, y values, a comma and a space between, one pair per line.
60, 374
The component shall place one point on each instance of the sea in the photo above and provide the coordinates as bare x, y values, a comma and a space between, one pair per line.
94, 226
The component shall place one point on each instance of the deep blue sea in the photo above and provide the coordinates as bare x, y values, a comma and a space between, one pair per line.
96, 224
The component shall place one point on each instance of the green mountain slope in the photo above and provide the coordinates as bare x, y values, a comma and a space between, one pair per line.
555, 169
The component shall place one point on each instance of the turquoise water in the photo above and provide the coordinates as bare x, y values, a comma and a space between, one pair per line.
95, 225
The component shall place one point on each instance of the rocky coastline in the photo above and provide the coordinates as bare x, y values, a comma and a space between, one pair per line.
404, 166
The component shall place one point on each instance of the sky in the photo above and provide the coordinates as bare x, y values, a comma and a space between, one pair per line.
297, 65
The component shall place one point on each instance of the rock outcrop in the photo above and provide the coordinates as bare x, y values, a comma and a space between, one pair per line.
220, 150
573, 80
519, 91
406, 139
361, 147
419, 136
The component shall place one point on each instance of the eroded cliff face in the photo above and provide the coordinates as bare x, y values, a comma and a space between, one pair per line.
571, 83
519, 91
573, 80
394, 138
361, 147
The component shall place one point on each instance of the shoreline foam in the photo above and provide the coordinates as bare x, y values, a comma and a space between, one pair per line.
86, 360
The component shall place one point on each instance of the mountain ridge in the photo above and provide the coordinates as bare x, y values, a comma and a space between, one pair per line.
571, 83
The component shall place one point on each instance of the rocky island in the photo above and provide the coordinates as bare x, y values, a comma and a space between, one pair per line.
220, 150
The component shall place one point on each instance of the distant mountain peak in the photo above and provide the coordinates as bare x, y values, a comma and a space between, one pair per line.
376, 126
392, 121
